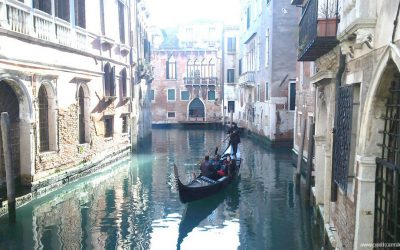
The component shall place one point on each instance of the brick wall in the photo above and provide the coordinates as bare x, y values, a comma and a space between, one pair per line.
343, 216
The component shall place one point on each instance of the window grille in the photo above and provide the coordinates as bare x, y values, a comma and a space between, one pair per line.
387, 202
43, 119
342, 137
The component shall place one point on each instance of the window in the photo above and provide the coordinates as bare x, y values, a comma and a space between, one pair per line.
267, 49
268, 1
171, 115
109, 80
248, 18
240, 66
43, 5
171, 94
231, 106
152, 95
211, 95
258, 92
231, 76
171, 68
108, 126
204, 68
43, 119
62, 9
81, 116
123, 82
211, 68
184, 95
292, 95
125, 124
121, 15
266, 91
190, 69
231, 44
80, 16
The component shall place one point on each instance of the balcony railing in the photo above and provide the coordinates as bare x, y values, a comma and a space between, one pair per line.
247, 79
20, 18
317, 34
200, 80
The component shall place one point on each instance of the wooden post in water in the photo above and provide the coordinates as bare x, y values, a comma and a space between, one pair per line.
310, 153
300, 153
5, 133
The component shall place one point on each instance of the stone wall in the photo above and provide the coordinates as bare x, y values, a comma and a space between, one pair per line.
343, 217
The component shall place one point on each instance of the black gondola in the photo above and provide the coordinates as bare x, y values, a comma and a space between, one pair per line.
202, 187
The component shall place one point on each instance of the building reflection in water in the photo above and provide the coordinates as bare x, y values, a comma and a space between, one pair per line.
135, 205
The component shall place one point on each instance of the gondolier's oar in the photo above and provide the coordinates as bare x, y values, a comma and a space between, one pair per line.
216, 148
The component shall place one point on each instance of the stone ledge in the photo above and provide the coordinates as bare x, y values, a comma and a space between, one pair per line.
41, 188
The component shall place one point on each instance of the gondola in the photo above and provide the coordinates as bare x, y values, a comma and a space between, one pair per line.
202, 186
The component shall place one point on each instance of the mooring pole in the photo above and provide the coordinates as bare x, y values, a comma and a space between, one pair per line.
300, 153
310, 160
5, 133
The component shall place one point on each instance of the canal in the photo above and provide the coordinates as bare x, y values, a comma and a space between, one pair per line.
134, 204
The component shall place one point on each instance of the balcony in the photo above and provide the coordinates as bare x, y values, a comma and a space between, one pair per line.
205, 81
317, 30
296, 2
247, 79
21, 19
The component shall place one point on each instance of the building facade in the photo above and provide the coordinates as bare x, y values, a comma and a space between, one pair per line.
356, 117
267, 70
187, 77
230, 74
66, 81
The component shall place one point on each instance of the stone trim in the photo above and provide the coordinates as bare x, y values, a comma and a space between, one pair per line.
56, 181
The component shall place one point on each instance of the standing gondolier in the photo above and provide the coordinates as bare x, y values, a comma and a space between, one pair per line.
234, 137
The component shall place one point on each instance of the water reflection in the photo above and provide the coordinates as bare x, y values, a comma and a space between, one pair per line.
135, 205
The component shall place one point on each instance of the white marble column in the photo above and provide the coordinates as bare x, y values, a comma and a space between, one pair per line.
319, 169
328, 184
365, 206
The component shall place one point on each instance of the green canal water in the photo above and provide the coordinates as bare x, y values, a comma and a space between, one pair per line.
134, 204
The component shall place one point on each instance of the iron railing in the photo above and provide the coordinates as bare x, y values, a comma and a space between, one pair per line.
317, 29
200, 80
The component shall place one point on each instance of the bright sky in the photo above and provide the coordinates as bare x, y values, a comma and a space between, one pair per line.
168, 13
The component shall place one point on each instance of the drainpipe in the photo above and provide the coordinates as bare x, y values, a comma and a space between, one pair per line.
339, 74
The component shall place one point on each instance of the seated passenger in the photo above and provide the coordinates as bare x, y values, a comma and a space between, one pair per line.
206, 168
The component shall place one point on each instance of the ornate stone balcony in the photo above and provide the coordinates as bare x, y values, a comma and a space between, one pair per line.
19, 18
208, 81
247, 79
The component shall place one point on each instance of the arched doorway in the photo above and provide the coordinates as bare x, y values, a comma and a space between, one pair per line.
9, 103
196, 109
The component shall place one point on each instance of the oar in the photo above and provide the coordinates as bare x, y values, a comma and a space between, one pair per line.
216, 148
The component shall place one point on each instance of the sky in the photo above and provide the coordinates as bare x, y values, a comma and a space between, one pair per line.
170, 13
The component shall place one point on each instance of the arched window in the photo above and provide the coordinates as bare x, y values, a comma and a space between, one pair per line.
81, 116
43, 119
123, 82
190, 69
109, 80
204, 68
171, 68
211, 68
197, 68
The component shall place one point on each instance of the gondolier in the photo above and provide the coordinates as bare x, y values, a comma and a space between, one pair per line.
234, 137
